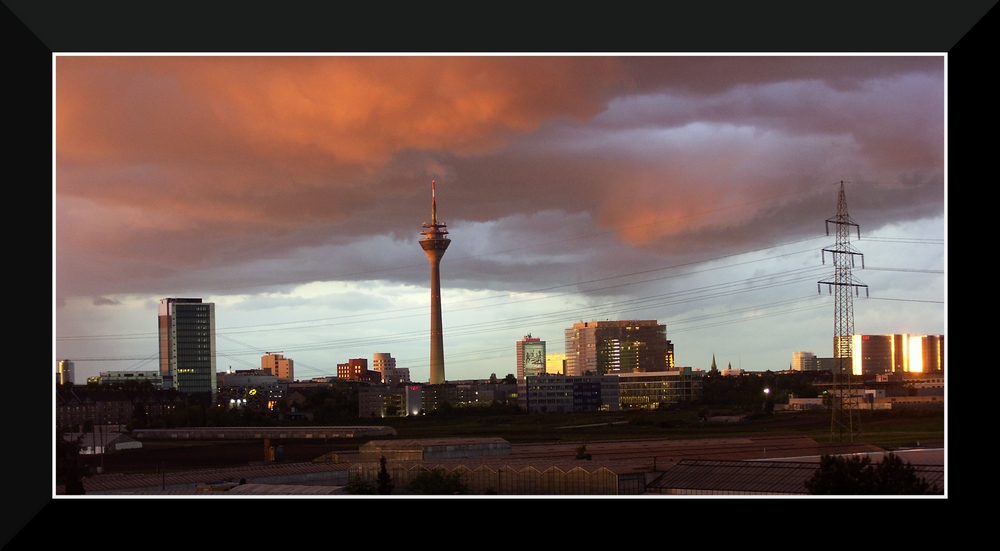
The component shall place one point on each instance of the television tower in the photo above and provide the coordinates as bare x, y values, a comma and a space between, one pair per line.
435, 243
845, 419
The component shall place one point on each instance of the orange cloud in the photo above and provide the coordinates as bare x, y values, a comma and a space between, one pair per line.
350, 109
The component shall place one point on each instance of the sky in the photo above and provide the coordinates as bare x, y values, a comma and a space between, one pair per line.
290, 191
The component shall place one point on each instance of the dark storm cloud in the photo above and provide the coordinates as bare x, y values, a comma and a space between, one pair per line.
236, 173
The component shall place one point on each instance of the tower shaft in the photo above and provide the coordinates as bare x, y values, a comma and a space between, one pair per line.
434, 255
435, 243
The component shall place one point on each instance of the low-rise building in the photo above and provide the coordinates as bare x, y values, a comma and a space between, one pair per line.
101, 405
124, 377
385, 365
356, 369
653, 390
396, 400
100, 441
255, 389
567, 394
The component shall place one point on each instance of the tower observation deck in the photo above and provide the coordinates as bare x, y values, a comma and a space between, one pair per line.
435, 243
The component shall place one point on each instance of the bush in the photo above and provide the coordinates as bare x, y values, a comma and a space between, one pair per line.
359, 486
859, 476
437, 482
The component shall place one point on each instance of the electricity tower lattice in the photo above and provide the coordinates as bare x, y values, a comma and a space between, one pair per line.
845, 418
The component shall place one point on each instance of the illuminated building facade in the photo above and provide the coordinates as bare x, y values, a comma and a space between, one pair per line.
64, 373
187, 345
555, 364
653, 390
530, 357
281, 367
627, 346
385, 365
356, 369
897, 353
396, 400
804, 361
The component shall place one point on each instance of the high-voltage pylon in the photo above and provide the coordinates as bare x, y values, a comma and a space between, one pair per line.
845, 419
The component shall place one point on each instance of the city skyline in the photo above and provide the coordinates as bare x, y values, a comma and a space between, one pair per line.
688, 189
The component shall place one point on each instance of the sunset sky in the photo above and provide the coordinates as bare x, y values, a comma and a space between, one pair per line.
290, 191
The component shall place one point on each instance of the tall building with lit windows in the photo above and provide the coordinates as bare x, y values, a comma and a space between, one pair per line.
626, 346
897, 353
187, 345
530, 357
281, 367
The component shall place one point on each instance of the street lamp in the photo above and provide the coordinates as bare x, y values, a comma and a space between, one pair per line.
766, 392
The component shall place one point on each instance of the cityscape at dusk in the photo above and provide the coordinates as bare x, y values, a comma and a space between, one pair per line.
289, 191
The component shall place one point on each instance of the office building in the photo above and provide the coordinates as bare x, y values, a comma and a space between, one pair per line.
626, 346
395, 400
187, 345
385, 365
356, 369
119, 377
896, 353
654, 390
64, 373
530, 357
804, 361
435, 243
568, 394
281, 367
555, 364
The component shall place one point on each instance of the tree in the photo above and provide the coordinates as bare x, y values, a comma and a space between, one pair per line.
444, 410
860, 476
437, 482
359, 486
139, 417
581, 453
68, 464
510, 379
385, 484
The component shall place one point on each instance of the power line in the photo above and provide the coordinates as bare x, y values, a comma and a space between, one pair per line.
340, 319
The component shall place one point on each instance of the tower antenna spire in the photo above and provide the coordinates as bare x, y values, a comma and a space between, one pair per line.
434, 206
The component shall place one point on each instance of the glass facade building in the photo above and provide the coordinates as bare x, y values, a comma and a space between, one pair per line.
187, 345
896, 353
627, 346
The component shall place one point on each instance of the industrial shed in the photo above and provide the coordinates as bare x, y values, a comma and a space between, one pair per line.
706, 477
97, 443
433, 448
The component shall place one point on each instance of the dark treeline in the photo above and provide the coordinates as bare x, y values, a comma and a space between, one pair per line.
337, 403
139, 405
745, 394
